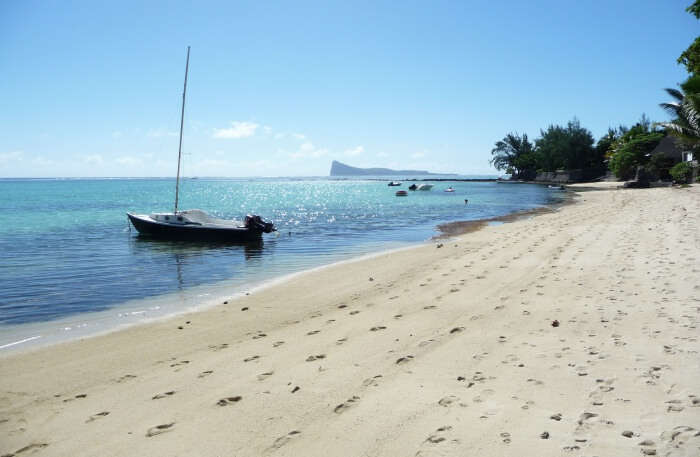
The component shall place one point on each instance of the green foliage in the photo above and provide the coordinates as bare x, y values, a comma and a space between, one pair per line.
686, 113
512, 154
659, 166
569, 147
691, 86
691, 57
681, 172
632, 150
606, 142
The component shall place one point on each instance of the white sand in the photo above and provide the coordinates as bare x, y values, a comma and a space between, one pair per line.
446, 351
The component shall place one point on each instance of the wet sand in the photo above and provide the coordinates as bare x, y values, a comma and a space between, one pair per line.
570, 333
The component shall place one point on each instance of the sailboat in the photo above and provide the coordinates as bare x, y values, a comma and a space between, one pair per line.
195, 224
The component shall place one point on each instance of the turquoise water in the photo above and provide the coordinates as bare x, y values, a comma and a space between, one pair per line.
67, 248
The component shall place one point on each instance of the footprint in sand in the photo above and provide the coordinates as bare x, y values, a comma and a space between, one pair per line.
94, 417
405, 359
681, 440
341, 341
79, 396
448, 400
313, 332
371, 382
159, 429
284, 439
345, 405
125, 378
277, 344
251, 358
311, 358
218, 347
163, 395
264, 376
436, 437
229, 400
31, 447
205, 373
377, 328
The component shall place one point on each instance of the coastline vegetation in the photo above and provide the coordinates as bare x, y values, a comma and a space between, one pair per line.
626, 151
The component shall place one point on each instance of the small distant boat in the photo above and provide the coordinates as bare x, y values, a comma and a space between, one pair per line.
412, 187
449, 189
425, 187
195, 224
394, 183
401, 193
557, 187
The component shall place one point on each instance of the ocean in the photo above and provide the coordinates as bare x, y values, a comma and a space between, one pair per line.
72, 266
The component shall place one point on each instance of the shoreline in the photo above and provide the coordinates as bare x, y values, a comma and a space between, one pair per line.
445, 348
224, 293
92, 324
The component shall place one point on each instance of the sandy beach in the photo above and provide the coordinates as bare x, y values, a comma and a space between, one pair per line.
570, 333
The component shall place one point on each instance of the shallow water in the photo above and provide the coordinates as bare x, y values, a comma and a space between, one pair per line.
67, 248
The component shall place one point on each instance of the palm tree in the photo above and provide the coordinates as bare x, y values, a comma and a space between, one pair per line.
509, 152
686, 112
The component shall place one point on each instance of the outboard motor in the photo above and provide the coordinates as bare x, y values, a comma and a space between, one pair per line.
256, 222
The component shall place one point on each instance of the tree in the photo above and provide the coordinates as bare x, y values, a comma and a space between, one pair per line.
569, 147
606, 141
682, 172
633, 150
686, 113
510, 154
691, 56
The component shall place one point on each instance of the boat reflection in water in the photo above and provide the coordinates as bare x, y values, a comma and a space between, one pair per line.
183, 264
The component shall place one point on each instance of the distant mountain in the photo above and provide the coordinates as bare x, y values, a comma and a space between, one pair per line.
341, 169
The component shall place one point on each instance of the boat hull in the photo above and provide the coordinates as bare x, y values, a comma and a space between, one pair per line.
153, 229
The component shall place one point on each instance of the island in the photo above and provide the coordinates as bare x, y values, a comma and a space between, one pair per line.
341, 169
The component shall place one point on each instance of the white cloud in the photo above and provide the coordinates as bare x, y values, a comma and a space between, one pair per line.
308, 150
128, 161
267, 129
41, 161
93, 159
354, 151
299, 136
382, 154
417, 155
117, 134
12, 156
237, 130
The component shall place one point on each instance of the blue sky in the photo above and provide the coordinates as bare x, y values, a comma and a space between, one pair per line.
283, 88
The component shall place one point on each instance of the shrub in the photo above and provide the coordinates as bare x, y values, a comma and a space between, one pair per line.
681, 172
630, 152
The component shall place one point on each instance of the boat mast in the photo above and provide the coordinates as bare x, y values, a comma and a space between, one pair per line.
182, 121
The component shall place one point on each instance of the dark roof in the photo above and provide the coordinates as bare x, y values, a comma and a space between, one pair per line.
671, 147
